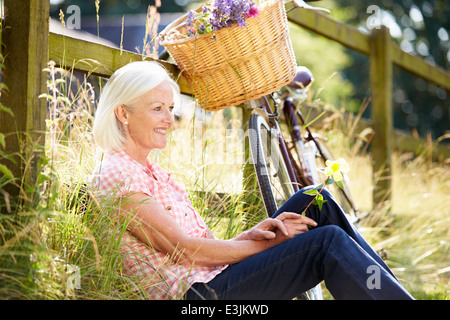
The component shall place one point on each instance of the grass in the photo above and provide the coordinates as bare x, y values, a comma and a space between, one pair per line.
47, 246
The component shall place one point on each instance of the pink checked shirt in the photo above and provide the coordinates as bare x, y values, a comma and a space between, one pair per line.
119, 174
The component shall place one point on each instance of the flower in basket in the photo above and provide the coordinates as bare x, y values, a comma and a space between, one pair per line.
220, 14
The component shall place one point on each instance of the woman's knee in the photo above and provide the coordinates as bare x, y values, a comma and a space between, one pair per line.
333, 230
330, 234
299, 201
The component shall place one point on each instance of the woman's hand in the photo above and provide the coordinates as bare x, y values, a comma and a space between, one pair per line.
285, 226
265, 230
294, 224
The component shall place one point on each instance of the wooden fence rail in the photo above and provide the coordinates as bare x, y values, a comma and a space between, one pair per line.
28, 46
96, 59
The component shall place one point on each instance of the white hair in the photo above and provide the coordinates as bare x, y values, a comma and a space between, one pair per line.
125, 87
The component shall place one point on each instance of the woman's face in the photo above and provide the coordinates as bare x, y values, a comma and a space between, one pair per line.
150, 118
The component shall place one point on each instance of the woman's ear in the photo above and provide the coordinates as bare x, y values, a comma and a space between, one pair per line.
121, 114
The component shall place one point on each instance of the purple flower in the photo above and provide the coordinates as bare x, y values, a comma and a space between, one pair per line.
191, 32
241, 22
190, 18
222, 14
201, 29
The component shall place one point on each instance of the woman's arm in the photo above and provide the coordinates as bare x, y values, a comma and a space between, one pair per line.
152, 225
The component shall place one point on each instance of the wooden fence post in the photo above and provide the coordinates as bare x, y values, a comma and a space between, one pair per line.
382, 114
25, 50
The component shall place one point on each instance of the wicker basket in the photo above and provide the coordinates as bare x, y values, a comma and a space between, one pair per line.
241, 64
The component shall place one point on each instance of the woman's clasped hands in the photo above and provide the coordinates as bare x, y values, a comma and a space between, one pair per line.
281, 228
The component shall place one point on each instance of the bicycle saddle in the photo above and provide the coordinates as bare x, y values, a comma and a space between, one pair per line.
303, 78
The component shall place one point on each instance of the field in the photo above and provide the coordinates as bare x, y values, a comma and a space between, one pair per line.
53, 245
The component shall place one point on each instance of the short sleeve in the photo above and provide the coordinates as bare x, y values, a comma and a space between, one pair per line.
120, 178
135, 182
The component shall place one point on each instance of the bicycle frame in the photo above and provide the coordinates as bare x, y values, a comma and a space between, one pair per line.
289, 111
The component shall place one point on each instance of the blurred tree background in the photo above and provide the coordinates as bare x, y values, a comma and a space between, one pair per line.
420, 27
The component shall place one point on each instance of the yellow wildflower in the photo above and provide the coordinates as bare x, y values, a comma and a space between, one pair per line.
334, 168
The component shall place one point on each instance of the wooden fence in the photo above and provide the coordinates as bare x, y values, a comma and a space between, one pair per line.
28, 46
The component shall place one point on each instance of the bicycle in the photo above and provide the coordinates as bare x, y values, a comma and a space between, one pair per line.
283, 166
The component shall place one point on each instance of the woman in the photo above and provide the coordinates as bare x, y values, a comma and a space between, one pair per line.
169, 248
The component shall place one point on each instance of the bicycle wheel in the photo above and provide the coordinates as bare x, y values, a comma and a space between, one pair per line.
271, 172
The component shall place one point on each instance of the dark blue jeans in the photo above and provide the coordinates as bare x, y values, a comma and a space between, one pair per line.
334, 252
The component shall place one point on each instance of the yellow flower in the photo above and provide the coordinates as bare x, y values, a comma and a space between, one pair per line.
334, 168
